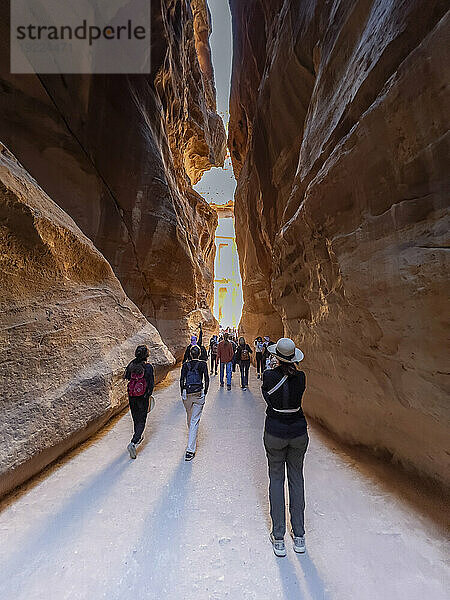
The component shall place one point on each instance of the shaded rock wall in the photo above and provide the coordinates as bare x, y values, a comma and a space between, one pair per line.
67, 331
339, 139
120, 154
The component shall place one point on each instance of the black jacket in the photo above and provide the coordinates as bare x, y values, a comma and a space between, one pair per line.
202, 369
239, 352
148, 374
203, 351
288, 396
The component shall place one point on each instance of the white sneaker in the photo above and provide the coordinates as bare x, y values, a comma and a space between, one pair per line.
299, 543
132, 450
278, 546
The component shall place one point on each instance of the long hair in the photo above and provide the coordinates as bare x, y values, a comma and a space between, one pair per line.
288, 368
137, 369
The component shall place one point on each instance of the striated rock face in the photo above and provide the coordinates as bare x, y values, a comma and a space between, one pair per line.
339, 139
120, 154
67, 331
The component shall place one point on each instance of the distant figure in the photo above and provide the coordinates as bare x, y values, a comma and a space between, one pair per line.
193, 391
243, 353
232, 340
259, 348
267, 357
225, 354
285, 441
196, 341
141, 381
212, 352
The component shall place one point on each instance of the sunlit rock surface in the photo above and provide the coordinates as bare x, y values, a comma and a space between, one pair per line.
339, 137
120, 155
67, 331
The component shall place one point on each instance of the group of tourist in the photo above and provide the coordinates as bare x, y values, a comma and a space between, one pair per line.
285, 432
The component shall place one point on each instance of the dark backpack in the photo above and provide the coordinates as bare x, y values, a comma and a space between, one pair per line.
137, 386
214, 346
245, 354
194, 379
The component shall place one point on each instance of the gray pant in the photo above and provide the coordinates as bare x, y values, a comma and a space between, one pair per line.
282, 453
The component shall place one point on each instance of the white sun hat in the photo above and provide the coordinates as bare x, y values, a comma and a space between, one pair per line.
286, 351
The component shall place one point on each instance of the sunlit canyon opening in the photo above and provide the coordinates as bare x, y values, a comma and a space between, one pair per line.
218, 185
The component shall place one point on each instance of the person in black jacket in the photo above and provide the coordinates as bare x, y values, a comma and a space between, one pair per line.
193, 391
259, 348
212, 352
285, 441
136, 371
242, 358
196, 341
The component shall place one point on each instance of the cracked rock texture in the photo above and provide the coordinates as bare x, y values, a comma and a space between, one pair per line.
120, 155
67, 331
339, 139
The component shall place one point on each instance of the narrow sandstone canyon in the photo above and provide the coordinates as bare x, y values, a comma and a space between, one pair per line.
339, 141
105, 243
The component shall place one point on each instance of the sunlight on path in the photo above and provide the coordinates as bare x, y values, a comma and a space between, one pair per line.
103, 526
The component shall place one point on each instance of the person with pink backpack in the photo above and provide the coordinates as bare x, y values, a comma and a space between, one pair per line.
141, 381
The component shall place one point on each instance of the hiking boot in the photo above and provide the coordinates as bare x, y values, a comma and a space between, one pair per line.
132, 449
299, 543
279, 549
189, 455
228, 387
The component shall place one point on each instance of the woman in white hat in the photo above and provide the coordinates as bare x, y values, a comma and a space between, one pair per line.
285, 441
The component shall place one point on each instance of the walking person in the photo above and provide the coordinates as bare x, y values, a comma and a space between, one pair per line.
194, 383
285, 442
212, 352
232, 340
225, 354
242, 358
141, 381
196, 341
259, 348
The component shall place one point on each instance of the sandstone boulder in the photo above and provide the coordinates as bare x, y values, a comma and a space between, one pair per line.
67, 331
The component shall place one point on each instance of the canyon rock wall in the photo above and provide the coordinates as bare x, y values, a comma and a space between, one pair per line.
120, 155
339, 139
67, 331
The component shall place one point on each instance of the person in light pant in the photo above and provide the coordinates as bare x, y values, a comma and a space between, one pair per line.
194, 383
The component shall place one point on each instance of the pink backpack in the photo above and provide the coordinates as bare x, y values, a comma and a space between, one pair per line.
137, 385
